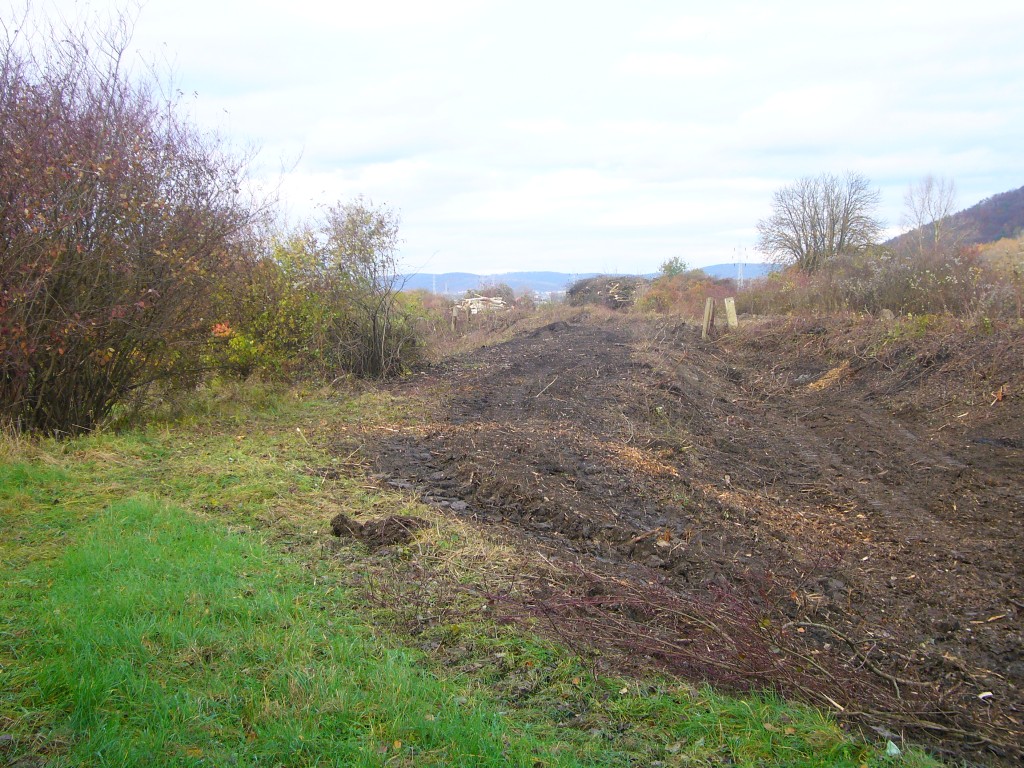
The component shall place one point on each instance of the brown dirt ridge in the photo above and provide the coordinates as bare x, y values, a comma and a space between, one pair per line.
830, 509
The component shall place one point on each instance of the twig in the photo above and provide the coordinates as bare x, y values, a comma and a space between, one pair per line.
867, 662
912, 721
345, 460
545, 388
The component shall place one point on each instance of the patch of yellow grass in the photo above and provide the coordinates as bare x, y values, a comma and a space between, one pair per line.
831, 377
640, 461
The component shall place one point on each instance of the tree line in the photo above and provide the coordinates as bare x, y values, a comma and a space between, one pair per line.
134, 259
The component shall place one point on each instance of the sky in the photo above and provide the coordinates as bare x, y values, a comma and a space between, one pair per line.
593, 136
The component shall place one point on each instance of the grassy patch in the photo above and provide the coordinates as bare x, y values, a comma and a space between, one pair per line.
167, 600
156, 638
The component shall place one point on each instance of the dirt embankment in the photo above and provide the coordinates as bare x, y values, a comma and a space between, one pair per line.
798, 506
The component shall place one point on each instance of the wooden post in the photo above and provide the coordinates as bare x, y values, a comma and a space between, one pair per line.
709, 317
730, 313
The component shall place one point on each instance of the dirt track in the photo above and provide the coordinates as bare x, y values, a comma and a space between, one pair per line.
847, 526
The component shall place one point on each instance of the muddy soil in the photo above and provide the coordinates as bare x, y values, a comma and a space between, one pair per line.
868, 507
380, 532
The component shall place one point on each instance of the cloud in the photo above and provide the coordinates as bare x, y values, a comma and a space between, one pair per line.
677, 65
587, 136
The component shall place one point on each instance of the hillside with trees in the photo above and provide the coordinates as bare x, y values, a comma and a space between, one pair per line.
997, 217
994, 218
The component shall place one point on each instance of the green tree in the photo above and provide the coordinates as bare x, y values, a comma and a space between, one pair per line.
372, 334
673, 267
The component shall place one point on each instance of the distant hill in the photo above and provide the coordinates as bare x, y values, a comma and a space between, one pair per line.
992, 219
457, 283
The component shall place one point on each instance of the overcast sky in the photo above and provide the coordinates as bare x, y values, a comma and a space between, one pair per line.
596, 136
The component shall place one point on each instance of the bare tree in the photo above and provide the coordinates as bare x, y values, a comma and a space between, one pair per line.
929, 205
818, 218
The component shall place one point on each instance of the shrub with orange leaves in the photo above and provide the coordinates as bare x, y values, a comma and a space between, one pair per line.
684, 294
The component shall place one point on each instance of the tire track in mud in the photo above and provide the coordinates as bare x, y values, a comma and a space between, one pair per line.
666, 461
548, 434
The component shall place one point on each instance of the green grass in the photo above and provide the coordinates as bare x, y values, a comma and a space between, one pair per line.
159, 639
162, 602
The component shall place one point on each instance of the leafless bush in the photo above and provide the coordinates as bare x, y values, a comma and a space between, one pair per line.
955, 282
116, 219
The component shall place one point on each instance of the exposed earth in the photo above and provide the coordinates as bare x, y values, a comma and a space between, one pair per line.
832, 510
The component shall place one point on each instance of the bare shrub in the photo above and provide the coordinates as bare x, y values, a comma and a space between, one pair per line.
954, 282
116, 219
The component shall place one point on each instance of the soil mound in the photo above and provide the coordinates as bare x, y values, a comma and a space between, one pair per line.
380, 532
